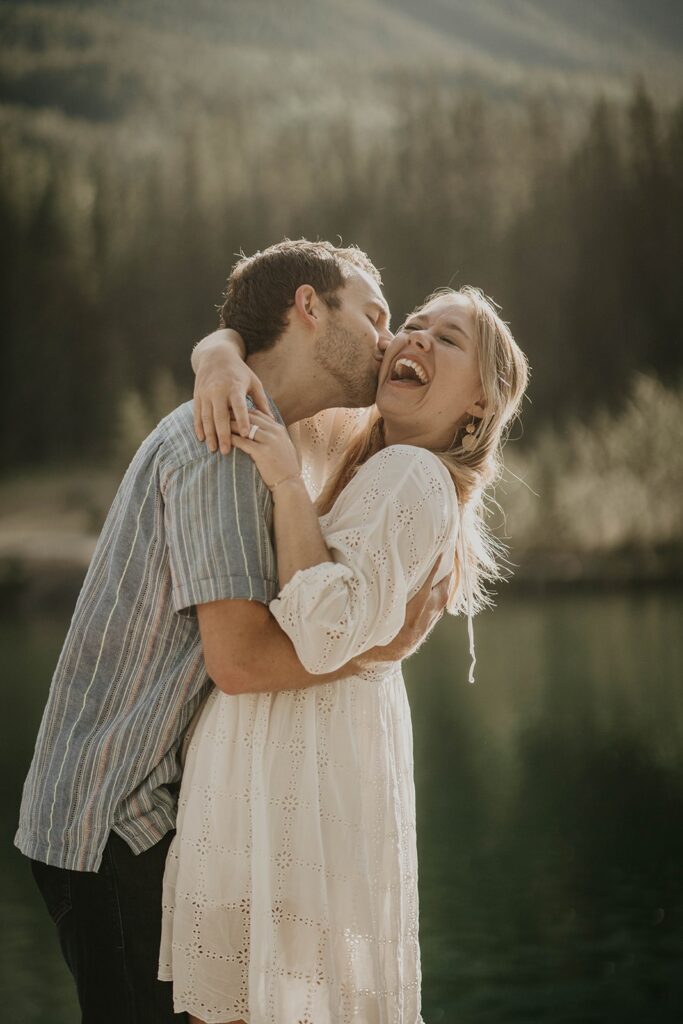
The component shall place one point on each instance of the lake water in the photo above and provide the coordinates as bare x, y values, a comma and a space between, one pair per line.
550, 815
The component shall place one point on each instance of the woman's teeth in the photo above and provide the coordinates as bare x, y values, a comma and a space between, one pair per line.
407, 369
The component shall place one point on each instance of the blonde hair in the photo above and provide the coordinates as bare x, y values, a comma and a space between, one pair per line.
504, 373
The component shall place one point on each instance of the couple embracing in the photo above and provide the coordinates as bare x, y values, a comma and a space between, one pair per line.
221, 794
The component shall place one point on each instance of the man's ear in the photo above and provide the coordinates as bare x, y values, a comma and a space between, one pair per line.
307, 305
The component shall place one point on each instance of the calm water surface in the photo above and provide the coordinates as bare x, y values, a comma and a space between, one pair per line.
550, 815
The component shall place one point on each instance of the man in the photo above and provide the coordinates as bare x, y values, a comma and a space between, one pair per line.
176, 600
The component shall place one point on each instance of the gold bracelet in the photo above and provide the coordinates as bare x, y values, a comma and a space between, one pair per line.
285, 480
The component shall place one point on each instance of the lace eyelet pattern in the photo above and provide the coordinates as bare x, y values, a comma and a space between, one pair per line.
290, 891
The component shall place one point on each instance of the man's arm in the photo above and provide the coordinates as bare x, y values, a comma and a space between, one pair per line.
222, 382
245, 651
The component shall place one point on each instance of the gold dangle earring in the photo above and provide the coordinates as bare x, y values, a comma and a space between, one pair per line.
468, 442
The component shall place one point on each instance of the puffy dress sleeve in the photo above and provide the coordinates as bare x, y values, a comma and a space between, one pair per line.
385, 532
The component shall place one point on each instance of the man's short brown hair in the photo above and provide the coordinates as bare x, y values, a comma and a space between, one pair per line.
261, 288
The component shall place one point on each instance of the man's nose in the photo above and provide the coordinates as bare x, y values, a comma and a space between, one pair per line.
384, 339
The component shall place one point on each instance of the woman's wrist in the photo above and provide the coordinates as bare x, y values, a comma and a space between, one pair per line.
295, 481
299, 542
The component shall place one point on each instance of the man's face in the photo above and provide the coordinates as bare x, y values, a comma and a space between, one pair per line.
354, 339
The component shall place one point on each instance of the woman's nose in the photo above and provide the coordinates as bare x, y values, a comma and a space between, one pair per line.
422, 338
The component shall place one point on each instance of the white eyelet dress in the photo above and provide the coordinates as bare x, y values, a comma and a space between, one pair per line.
290, 892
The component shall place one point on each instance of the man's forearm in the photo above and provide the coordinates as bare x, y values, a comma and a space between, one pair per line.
272, 665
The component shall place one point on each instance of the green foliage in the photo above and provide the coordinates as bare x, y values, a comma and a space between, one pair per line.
610, 481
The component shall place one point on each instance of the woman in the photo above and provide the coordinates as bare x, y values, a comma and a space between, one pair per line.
290, 891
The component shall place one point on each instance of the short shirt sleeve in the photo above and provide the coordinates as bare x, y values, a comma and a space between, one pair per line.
218, 517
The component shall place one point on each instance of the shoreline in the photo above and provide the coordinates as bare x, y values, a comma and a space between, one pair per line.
48, 573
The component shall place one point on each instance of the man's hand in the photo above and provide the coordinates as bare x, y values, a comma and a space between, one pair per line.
223, 381
423, 611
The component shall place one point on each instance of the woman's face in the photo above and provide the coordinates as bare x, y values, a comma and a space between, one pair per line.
429, 382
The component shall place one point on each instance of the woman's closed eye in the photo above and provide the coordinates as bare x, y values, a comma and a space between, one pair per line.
441, 337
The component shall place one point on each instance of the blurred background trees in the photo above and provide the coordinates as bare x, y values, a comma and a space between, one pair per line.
111, 269
144, 145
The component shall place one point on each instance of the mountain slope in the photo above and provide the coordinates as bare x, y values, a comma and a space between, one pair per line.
104, 60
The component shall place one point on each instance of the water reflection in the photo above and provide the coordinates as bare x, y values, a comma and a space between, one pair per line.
549, 801
550, 809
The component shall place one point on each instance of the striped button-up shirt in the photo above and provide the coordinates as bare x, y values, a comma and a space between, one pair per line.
185, 527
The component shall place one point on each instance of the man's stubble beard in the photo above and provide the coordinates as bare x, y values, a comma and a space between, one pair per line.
345, 359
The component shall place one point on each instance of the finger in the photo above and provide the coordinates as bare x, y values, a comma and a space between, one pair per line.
416, 605
267, 428
222, 421
209, 428
244, 444
440, 594
260, 438
261, 399
235, 428
240, 412
426, 589
256, 416
434, 570
198, 427
424, 595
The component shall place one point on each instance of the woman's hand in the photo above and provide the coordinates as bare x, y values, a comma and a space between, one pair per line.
299, 542
423, 611
223, 381
271, 448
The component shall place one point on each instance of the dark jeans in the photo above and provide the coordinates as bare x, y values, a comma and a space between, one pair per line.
109, 926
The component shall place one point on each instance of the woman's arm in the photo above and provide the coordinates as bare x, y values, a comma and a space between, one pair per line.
299, 542
389, 527
222, 382
386, 544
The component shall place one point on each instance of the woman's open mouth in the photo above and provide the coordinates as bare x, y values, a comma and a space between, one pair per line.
408, 373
